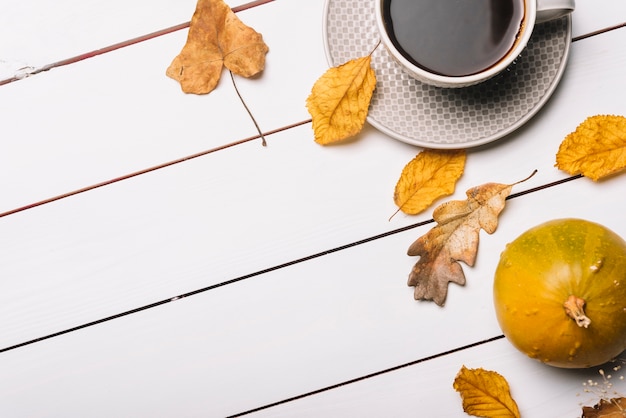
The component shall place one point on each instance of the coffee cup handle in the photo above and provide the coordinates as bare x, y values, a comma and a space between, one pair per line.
553, 9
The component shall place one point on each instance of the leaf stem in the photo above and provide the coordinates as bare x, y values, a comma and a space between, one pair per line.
527, 178
232, 77
375, 48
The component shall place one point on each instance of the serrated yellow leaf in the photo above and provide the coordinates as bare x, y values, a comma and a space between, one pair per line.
596, 149
339, 100
485, 394
429, 176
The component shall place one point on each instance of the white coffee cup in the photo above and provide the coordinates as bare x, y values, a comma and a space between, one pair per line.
532, 12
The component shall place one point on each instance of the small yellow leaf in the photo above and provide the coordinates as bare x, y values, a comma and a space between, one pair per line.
485, 394
339, 100
429, 176
596, 149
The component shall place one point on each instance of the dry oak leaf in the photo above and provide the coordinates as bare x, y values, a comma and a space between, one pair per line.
455, 239
340, 99
611, 408
216, 38
596, 149
429, 176
485, 393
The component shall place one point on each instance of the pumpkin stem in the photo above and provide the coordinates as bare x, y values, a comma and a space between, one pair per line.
574, 309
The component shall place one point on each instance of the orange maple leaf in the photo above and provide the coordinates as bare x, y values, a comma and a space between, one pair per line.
216, 38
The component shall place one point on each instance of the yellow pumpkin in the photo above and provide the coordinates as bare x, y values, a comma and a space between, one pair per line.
560, 293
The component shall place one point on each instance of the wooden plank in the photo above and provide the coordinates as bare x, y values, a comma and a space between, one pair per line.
288, 332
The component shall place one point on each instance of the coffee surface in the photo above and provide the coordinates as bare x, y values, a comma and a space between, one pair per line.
454, 37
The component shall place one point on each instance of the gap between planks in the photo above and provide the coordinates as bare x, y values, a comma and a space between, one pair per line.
368, 376
149, 169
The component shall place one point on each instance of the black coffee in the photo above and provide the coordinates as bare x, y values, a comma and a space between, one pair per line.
453, 37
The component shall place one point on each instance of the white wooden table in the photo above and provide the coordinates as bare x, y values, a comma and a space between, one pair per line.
148, 271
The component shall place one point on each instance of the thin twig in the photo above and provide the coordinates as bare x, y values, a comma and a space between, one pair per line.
232, 77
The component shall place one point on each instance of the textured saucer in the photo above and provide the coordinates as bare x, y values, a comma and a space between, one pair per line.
433, 117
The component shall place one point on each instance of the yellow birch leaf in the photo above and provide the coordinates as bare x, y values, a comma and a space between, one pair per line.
340, 99
596, 149
485, 393
429, 176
